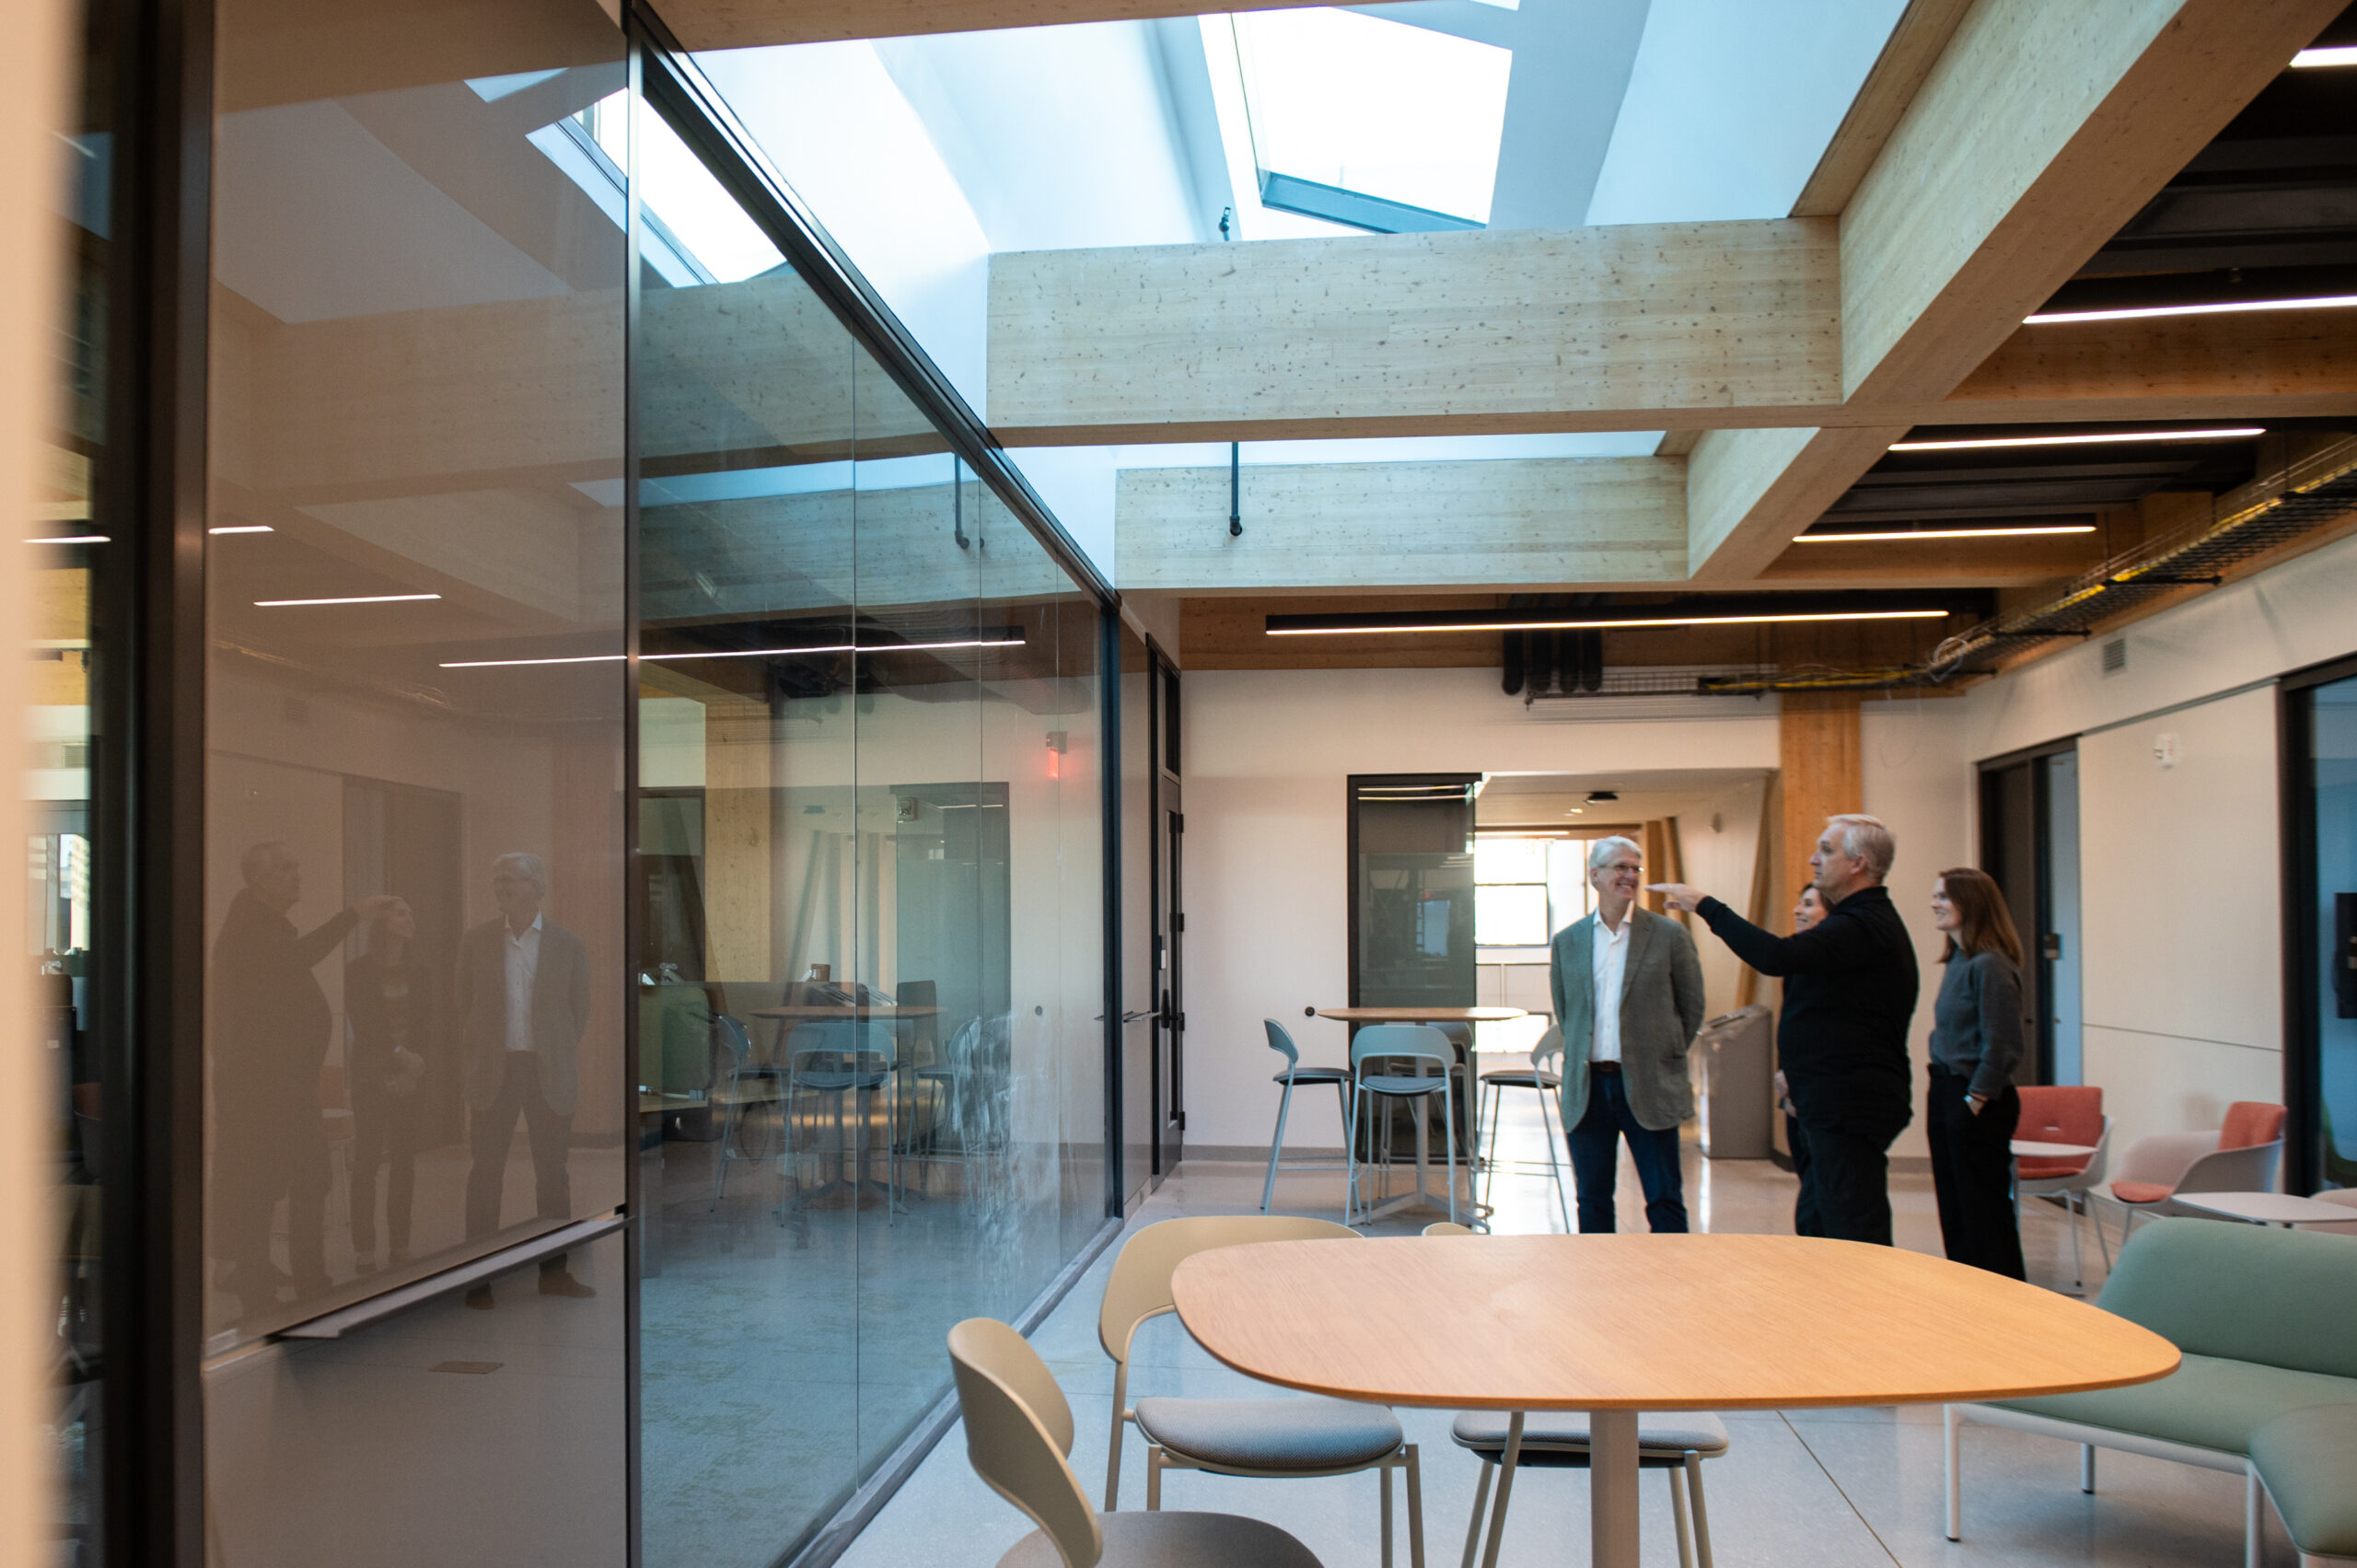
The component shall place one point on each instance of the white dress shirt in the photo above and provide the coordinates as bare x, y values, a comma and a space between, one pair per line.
523, 968
1611, 961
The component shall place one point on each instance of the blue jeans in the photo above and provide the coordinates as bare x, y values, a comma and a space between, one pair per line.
1595, 1160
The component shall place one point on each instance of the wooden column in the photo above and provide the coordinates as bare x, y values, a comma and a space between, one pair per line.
1816, 744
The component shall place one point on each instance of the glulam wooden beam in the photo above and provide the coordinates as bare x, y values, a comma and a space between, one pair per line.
1513, 524
1417, 335
2041, 129
745, 24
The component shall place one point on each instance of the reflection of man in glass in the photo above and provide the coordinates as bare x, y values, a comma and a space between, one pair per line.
389, 1000
522, 1003
271, 1028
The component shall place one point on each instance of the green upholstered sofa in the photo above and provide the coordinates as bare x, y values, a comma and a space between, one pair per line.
2266, 1320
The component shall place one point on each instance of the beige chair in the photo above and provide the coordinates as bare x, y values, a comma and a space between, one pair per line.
1449, 1227
1018, 1437
1302, 1436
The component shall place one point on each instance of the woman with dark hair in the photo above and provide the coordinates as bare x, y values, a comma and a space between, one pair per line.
389, 997
1976, 1044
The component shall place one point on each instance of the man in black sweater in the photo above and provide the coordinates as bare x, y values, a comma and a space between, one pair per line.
1850, 984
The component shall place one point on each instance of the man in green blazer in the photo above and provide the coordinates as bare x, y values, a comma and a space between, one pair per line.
1624, 1063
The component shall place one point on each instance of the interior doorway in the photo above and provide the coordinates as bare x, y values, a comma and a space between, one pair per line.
2029, 843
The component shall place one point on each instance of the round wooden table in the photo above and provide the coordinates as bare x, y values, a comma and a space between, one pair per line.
2286, 1209
1614, 1325
1424, 1015
1422, 1194
2030, 1148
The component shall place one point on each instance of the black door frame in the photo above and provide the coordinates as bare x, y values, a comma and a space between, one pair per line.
146, 986
1166, 736
2303, 1024
2041, 857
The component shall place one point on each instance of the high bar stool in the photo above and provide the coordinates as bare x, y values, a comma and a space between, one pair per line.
1416, 1043
1295, 1072
1543, 1079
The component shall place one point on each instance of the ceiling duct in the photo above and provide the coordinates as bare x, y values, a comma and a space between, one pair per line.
2308, 495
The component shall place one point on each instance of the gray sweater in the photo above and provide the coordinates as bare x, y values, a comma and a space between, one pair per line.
1977, 1022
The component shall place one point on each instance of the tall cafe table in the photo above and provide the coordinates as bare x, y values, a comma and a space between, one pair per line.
794, 1013
1614, 1325
1356, 1015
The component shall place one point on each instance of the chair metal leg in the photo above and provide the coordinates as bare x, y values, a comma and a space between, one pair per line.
1547, 1122
1350, 1152
1153, 1477
2094, 1217
2251, 1515
1507, 1463
1448, 1128
1277, 1144
1701, 1515
1386, 1472
1490, 1103
1678, 1517
2070, 1218
1480, 1508
2086, 1467
1955, 1470
1415, 1510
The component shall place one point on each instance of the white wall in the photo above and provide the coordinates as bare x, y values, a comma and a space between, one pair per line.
2182, 1007
2184, 934
1266, 870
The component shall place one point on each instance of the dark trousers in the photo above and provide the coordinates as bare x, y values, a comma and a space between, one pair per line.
1595, 1160
273, 1145
1844, 1167
492, 1130
383, 1133
1972, 1171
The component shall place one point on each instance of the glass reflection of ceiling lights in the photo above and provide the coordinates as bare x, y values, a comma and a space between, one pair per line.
1373, 124
695, 231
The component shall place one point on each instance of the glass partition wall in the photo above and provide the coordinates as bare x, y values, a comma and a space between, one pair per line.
871, 976
654, 828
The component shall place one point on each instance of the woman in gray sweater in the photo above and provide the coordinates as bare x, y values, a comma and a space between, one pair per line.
1975, 1043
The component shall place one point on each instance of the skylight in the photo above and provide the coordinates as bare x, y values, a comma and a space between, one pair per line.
1350, 105
695, 231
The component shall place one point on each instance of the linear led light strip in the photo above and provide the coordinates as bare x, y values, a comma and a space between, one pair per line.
70, 539
1941, 533
1610, 625
2212, 307
742, 653
348, 599
1979, 444
2309, 59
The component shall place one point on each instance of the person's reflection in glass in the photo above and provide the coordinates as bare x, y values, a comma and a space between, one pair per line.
389, 999
522, 1003
271, 1025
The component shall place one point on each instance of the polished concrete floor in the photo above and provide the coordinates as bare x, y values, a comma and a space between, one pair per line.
1808, 1489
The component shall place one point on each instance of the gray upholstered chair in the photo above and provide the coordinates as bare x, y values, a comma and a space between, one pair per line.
1018, 1438
1677, 1443
1297, 1436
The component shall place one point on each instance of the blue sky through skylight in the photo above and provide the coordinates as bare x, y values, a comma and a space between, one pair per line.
1376, 107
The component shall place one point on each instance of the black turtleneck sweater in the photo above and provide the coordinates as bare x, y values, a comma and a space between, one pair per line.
1849, 985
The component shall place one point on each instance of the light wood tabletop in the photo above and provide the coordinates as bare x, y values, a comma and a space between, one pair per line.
2030, 1148
1423, 1015
1617, 1324
2269, 1208
807, 1011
